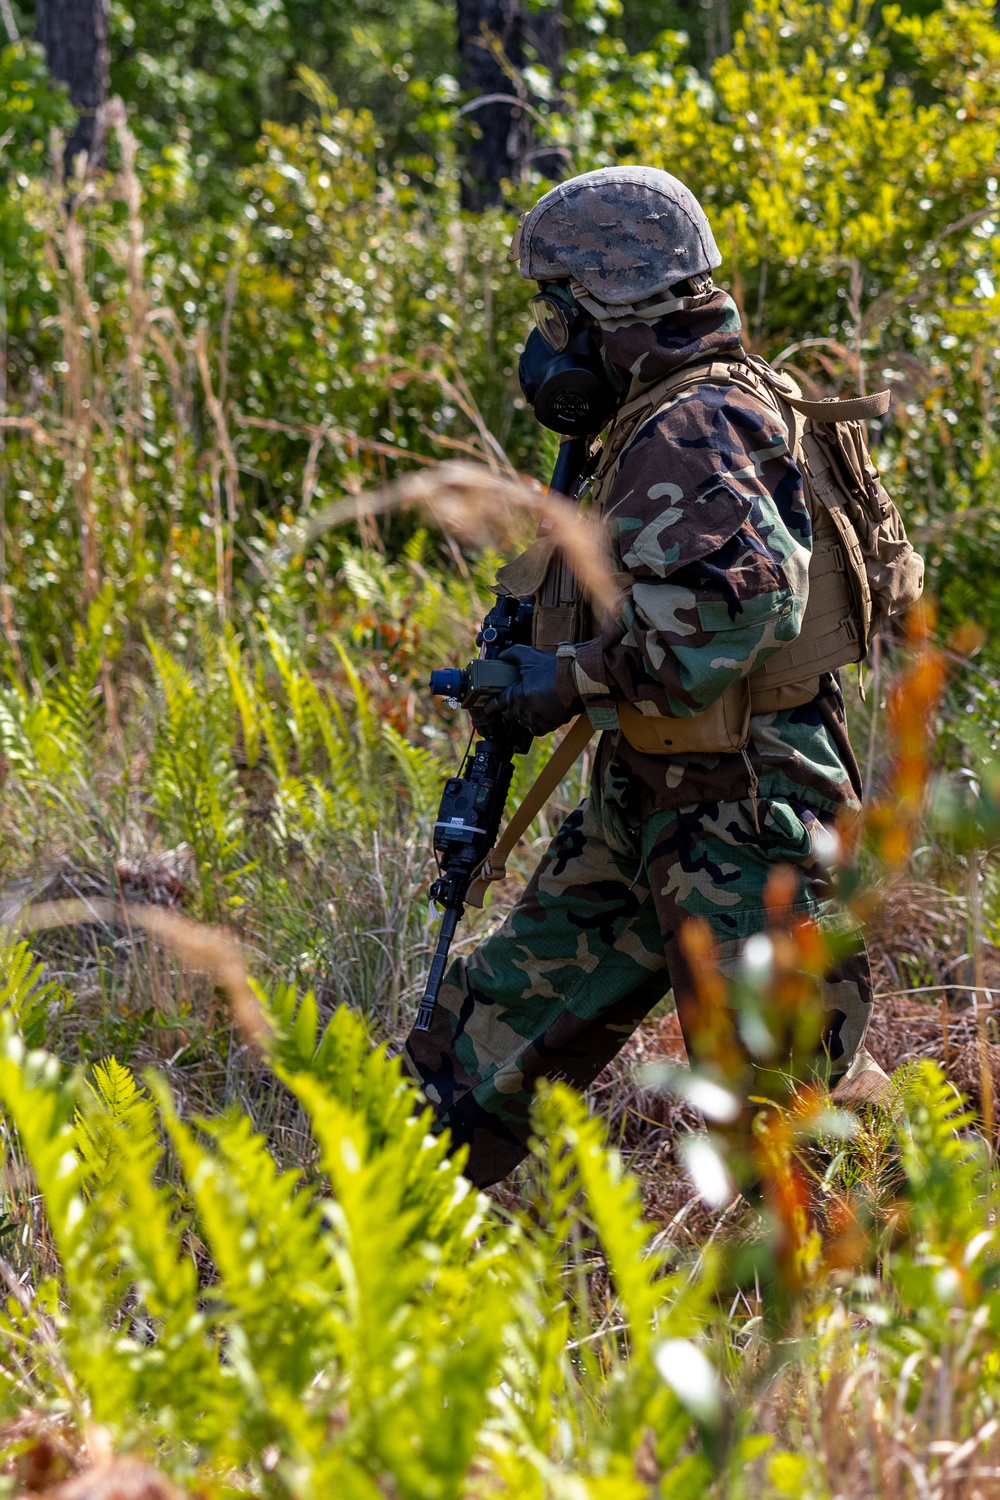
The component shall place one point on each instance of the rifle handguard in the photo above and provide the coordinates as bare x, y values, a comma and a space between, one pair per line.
564, 756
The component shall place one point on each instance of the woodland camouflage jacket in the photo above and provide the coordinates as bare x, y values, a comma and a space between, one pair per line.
707, 517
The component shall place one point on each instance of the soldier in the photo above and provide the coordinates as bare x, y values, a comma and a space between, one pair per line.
693, 803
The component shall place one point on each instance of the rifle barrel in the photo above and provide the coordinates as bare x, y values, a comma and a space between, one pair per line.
491, 767
439, 963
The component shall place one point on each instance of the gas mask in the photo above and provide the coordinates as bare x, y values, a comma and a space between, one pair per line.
563, 373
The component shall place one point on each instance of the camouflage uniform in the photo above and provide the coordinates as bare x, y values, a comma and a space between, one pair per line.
707, 520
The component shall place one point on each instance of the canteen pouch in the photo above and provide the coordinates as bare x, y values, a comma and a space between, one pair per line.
719, 729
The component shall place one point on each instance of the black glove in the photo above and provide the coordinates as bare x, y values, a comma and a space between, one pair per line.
532, 701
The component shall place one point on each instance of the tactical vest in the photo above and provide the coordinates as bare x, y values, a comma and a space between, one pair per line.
862, 568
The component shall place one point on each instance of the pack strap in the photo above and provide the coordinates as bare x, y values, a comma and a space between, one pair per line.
831, 409
730, 370
565, 755
853, 409
714, 370
745, 370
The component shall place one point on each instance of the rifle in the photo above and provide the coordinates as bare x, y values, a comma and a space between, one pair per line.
473, 802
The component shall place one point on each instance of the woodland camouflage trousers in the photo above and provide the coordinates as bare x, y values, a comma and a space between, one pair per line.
592, 946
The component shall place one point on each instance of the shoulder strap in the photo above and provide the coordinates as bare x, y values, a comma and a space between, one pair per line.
733, 370
831, 409
750, 373
566, 753
698, 372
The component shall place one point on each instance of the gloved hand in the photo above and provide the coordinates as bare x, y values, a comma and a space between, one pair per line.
533, 701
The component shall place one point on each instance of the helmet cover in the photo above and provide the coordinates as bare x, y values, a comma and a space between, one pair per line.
624, 234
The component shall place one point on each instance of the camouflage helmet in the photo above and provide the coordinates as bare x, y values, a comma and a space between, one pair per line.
624, 235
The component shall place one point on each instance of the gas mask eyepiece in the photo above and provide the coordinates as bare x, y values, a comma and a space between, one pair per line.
562, 371
553, 319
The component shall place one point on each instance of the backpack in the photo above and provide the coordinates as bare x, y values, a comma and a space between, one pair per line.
858, 536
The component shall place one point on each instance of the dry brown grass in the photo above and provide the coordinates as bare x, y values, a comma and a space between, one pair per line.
925, 1001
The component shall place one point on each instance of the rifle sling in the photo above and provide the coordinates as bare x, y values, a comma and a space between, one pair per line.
565, 755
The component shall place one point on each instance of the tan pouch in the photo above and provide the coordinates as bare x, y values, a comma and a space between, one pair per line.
561, 613
775, 700
525, 574
829, 635
723, 728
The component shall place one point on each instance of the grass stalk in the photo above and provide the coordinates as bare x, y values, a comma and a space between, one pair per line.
977, 950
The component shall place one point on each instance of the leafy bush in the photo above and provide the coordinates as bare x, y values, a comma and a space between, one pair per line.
341, 320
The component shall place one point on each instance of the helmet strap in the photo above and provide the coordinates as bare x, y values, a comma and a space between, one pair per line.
610, 318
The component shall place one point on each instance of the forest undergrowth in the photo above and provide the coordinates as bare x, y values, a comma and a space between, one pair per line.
260, 453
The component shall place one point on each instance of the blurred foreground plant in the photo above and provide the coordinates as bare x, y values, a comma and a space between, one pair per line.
369, 1322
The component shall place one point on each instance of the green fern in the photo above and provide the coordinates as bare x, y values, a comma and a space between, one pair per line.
572, 1394
115, 1110
50, 735
194, 784
26, 998
367, 734
402, 1421
244, 694
370, 1327
942, 1157
613, 1202
423, 771
300, 698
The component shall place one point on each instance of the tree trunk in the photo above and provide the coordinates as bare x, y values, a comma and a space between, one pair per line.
544, 33
495, 40
74, 34
490, 34
718, 32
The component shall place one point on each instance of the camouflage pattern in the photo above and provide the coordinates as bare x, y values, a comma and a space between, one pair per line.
591, 947
624, 233
706, 516
707, 524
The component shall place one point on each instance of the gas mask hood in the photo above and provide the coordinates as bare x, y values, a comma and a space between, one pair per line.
563, 373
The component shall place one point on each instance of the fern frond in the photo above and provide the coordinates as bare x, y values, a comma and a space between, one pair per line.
277, 1286
297, 685
612, 1204
116, 1111
942, 1156
422, 770
366, 722
347, 1080
195, 788
260, 1224
40, 1103
25, 995
37, 1102
244, 696
185, 1384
